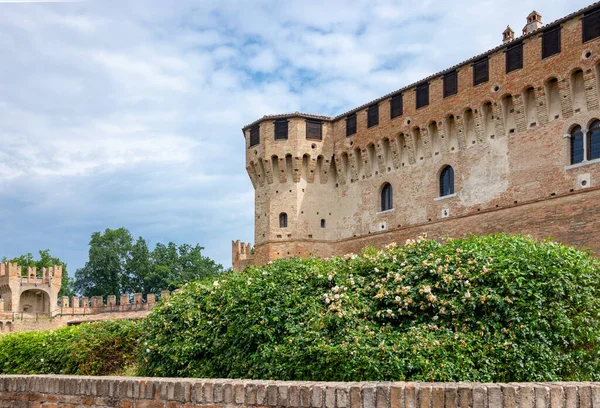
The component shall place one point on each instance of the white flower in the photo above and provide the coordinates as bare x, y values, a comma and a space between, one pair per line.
216, 284
435, 317
147, 350
468, 295
376, 270
330, 277
42, 360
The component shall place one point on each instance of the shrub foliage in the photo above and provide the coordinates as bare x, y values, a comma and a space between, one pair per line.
100, 348
495, 308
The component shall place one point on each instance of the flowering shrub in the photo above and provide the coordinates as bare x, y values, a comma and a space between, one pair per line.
496, 308
100, 348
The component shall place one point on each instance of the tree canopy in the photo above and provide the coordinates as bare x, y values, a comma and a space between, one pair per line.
118, 264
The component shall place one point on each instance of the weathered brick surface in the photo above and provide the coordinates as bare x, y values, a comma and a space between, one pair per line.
131, 392
511, 165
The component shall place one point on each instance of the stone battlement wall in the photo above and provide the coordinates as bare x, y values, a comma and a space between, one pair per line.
130, 392
78, 310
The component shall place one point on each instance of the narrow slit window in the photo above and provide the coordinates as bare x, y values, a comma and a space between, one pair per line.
373, 115
254, 136
322, 223
386, 197
351, 125
551, 42
447, 181
450, 84
422, 95
481, 72
314, 129
591, 25
396, 106
283, 220
281, 129
514, 58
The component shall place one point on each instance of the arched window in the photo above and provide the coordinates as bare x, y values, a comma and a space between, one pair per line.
322, 223
577, 151
594, 140
447, 181
283, 220
386, 197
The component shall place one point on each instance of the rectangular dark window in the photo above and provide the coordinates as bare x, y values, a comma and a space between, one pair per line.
551, 42
314, 129
254, 136
481, 72
450, 84
373, 115
396, 106
351, 125
281, 129
422, 95
591, 25
514, 58
577, 147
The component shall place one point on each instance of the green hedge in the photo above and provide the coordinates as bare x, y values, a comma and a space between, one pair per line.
101, 348
495, 308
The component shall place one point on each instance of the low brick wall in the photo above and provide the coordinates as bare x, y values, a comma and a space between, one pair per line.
130, 392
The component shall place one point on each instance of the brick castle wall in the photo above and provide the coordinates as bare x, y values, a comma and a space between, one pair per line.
505, 140
123, 392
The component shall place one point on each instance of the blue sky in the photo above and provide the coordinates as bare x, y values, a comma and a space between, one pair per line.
129, 113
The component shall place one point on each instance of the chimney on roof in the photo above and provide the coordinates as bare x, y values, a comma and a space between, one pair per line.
508, 35
534, 21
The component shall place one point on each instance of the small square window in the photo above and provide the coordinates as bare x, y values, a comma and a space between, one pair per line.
373, 115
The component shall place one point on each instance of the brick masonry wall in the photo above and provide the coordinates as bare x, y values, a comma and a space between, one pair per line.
505, 140
130, 392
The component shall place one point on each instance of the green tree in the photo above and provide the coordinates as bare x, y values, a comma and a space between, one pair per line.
118, 265
105, 272
176, 265
45, 260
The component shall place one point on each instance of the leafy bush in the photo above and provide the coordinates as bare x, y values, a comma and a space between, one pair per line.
100, 348
495, 308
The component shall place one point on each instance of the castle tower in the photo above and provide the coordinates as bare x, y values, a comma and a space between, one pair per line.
289, 161
33, 293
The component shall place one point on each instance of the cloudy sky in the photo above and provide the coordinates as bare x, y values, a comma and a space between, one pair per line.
129, 113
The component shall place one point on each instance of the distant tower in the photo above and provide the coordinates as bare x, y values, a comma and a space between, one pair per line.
508, 35
534, 21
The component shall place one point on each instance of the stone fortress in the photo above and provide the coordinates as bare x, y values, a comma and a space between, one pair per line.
30, 302
508, 140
